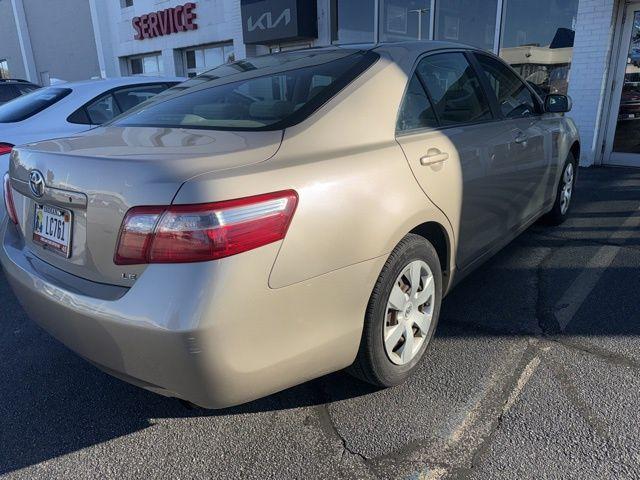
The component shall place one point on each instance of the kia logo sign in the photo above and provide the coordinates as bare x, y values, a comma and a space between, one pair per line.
165, 22
272, 21
266, 21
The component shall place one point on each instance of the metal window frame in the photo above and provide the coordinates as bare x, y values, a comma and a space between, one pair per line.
376, 20
432, 20
203, 47
156, 54
378, 16
497, 39
606, 126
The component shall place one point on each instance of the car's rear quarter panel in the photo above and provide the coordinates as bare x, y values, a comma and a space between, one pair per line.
357, 195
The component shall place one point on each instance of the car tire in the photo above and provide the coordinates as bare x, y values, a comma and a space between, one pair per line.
377, 361
564, 193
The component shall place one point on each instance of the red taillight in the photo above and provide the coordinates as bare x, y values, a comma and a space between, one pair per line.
5, 148
199, 233
8, 200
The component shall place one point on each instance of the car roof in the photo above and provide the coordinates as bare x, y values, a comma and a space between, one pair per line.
415, 46
107, 83
419, 46
4, 81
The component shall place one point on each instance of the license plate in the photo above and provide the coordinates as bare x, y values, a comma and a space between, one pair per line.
52, 227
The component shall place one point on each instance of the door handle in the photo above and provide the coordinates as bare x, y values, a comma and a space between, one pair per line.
433, 156
521, 138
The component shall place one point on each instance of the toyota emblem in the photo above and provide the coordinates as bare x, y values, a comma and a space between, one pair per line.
36, 183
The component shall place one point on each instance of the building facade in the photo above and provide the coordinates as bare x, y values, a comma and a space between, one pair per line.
42, 41
589, 49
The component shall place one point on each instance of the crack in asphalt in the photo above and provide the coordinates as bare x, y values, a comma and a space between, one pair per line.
330, 430
544, 317
600, 353
572, 394
511, 386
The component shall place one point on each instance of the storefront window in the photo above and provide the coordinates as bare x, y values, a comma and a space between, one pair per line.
4, 69
199, 60
537, 40
146, 65
405, 20
354, 21
467, 21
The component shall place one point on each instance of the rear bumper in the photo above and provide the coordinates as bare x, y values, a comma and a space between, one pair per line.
212, 333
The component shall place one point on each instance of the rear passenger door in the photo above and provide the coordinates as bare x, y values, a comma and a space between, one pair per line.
449, 131
525, 183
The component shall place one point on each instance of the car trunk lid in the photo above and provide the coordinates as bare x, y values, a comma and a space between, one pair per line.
98, 176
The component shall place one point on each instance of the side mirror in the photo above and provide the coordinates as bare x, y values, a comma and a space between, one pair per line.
555, 103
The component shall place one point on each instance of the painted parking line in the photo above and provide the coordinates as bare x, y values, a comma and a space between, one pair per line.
524, 378
573, 298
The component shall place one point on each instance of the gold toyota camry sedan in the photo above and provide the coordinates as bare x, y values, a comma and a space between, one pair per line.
283, 217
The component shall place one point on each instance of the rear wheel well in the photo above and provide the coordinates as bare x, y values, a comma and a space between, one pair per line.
575, 150
437, 236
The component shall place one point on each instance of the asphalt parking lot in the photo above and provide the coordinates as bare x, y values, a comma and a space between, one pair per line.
533, 374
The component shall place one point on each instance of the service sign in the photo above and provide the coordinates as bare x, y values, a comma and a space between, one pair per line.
165, 22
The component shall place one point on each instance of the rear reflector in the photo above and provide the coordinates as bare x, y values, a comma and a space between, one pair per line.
5, 148
9, 205
203, 232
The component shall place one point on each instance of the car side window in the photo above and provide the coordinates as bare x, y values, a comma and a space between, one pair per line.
416, 111
80, 117
7, 92
455, 89
24, 89
103, 109
514, 98
130, 97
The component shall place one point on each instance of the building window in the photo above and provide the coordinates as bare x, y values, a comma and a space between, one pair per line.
405, 20
354, 21
467, 21
537, 40
146, 64
199, 60
126, 3
4, 69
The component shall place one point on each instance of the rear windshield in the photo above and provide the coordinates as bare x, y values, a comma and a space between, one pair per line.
266, 93
28, 105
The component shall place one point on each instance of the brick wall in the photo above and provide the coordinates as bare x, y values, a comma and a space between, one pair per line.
589, 70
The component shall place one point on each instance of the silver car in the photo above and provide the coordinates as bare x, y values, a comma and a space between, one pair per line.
283, 217
70, 108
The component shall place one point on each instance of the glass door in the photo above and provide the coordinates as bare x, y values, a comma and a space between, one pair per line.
623, 143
